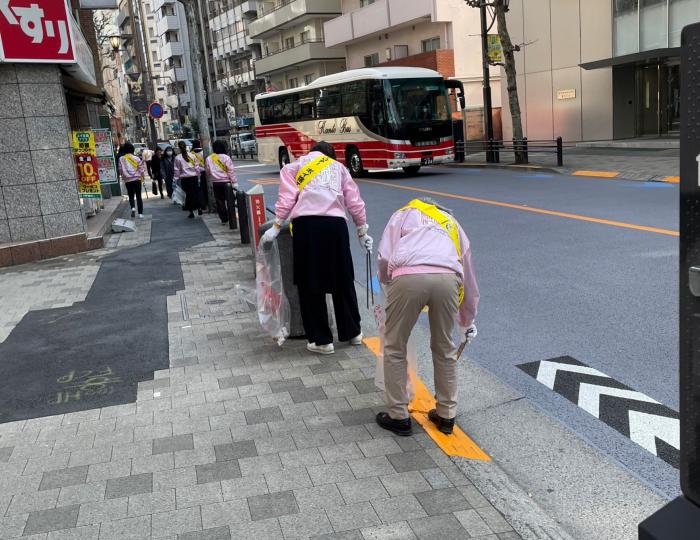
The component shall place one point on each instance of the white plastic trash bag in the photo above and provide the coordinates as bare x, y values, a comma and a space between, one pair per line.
273, 306
411, 356
179, 195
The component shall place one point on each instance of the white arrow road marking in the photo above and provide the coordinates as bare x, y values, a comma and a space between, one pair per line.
589, 396
646, 428
547, 372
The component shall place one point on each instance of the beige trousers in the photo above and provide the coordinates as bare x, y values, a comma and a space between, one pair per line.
406, 297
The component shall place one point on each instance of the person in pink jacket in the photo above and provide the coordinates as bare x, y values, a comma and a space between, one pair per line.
132, 170
187, 171
220, 170
425, 260
315, 193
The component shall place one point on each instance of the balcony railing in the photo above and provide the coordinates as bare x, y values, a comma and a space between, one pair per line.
309, 51
262, 10
283, 49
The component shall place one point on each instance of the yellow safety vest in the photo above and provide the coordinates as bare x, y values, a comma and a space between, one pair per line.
132, 160
216, 159
448, 224
310, 171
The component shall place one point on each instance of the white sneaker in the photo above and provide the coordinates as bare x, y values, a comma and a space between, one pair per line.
140, 216
357, 340
320, 349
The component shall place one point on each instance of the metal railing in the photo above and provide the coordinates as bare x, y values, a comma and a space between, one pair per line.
494, 148
278, 5
296, 45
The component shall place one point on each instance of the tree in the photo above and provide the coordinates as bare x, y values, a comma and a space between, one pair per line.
511, 80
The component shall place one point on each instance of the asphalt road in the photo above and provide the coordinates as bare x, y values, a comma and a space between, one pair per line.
593, 277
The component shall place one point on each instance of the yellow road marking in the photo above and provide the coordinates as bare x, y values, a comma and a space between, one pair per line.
597, 174
577, 217
672, 179
459, 443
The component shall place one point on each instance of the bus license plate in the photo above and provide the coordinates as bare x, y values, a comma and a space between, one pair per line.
426, 161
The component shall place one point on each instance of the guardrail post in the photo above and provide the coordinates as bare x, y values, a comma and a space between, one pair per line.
560, 152
231, 206
242, 206
527, 157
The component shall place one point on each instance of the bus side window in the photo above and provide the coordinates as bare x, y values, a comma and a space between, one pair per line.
329, 105
377, 116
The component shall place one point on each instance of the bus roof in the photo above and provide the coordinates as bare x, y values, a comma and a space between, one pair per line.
360, 74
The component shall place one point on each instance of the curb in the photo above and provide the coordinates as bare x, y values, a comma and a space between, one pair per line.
539, 168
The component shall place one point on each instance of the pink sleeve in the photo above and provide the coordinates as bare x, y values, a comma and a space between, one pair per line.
288, 193
178, 168
467, 311
231, 170
207, 165
142, 168
387, 245
353, 200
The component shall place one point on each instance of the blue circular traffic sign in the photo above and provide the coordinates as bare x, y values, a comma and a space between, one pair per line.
155, 110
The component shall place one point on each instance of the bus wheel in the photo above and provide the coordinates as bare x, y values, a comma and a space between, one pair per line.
413, 169
283, 157
354, 162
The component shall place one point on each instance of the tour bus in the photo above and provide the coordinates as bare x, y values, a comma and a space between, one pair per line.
375, 118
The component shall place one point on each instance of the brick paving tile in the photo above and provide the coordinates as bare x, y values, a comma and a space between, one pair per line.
399, 530
473, 523
87, 532
345, 535
494, 519
304, 395
241, 488
376, 466
218, 533
173, 444
275, 445
357, 417
437, 528
126, 529
305, 524
364, 489
63, 477
405, 483
220, 514
288, 479
314, 498
167, 524
444, 501
398, 508
129, 485
353, 516
331, 473
411, 461
267, 529
215, 472
235, 450
261, 416
286, 384
63, 517
272, 505
97, 512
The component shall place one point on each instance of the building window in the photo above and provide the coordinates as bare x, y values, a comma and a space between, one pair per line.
293, 83
308, 78
371, 59
428, 45
681, 12
244, 98
289, 43
400, 51
653, 26
364, 3
626, 26
305, 36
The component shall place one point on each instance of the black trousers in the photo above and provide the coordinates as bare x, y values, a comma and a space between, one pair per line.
220, 197
314, 314
134, 190
169, 187
203, 193
190, 185
159, 180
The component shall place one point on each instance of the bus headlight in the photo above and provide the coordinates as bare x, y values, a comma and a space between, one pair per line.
399, 155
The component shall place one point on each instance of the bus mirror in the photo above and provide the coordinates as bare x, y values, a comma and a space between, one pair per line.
458, 87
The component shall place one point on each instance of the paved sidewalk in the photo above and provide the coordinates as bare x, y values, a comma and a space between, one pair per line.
238, 439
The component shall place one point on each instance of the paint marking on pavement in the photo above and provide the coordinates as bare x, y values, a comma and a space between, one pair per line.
459, 443
524, 208
643, 420
249, 166
597, 174
265, 181
672, 180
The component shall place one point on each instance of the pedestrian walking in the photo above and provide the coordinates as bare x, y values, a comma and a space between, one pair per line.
132, 169
220, 170
167, 170
315, 193
156, 174
187, 171
198, 153
147, 156
425, 260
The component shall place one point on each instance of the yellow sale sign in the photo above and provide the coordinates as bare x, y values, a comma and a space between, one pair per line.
86, 165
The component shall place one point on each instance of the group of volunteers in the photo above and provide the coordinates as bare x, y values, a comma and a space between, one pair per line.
424, 260
188, 171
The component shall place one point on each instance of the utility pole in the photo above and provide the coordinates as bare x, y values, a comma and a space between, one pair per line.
209, 77
488, 108
145, 67
198, 83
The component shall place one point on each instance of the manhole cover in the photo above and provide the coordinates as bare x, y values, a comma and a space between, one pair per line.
216, 301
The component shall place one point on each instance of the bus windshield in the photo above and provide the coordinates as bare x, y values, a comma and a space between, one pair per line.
419, 100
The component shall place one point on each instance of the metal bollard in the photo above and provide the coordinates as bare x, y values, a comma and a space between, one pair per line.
560, 152
527, 157
242, 206
231, 206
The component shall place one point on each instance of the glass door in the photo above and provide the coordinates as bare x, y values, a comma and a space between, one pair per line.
673, 98
648, 111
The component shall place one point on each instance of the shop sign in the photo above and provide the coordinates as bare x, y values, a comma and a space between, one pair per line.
495, 50
86, 165
137, 92
99, 4
256, 213
36, 31
569, 93
84, 68
106, 166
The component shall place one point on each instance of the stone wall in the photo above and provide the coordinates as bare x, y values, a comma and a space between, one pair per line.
38, 190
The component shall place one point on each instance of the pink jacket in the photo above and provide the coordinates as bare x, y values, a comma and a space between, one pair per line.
185, 169
413, 243
129, 172
215, 172
329, 194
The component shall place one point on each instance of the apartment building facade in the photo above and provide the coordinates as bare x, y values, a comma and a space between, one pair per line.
292, 40
599, 69
442, 35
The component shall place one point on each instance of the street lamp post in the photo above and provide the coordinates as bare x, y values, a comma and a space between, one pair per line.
488, 106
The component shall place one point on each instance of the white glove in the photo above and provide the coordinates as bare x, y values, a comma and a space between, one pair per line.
469, 332
270, 234
366, 242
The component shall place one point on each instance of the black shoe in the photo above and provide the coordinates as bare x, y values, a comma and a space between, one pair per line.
199, 212
133, 213
444, 425
400, 427
191, 216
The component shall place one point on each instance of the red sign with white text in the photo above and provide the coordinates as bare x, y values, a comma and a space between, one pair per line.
256, 212
35, 31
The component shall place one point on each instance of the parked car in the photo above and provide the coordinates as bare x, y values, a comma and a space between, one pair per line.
244, 143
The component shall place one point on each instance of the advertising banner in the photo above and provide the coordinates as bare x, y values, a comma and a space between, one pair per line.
137, 92
86, 165
495, 50
36, 31
106, 166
